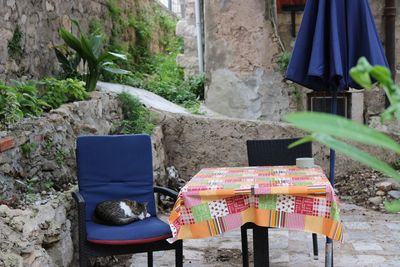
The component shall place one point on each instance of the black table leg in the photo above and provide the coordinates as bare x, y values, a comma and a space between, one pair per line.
261, 248
329, 253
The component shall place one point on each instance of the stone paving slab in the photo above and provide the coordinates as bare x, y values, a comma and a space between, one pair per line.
371, 239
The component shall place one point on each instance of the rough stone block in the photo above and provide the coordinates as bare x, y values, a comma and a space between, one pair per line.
394, 194
384, 186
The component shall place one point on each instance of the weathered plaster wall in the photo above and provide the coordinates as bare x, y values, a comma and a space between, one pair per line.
186, 28
40, 20
243, 80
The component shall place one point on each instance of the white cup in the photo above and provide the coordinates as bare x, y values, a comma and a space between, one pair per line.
305, 162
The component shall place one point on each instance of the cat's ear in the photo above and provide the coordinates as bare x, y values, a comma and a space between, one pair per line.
145, 204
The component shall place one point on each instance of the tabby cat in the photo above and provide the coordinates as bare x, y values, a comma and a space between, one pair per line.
120, 212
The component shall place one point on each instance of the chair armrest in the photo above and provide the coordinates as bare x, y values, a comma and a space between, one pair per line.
78, 198
80, 202
166, 191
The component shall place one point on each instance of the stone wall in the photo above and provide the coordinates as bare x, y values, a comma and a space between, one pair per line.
45, 147
195, 142
39, 21
40, 229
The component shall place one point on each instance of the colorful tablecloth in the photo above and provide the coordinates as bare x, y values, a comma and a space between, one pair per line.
217, 200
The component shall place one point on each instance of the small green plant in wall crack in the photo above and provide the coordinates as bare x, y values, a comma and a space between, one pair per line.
60, 157
28, 148
15, 49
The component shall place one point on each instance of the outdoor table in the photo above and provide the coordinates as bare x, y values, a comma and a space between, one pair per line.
218, 200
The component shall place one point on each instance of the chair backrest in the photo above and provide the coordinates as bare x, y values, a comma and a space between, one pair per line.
276, 152
115, 167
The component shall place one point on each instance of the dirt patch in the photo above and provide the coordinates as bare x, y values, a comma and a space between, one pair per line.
223, 256
367, 188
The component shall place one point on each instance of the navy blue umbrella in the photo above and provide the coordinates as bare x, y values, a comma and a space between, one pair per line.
333, 35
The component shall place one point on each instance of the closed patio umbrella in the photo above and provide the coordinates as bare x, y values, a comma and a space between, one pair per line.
333, 35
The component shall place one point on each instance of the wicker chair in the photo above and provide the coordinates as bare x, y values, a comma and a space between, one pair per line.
272, 153
119, 167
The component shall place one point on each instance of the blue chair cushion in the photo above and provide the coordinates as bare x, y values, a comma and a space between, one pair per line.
139, 232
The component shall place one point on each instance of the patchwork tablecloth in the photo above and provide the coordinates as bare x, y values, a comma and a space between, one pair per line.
217, 200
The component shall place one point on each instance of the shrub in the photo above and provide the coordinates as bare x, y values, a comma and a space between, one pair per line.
57, 92
19, 100
283, 61
137, 118
32, 98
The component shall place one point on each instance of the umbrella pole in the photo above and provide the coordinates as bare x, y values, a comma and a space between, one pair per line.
332, 158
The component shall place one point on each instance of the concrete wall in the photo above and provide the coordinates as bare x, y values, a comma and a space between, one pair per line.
195, 142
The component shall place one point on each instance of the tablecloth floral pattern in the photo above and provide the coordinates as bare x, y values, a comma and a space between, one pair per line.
217, 200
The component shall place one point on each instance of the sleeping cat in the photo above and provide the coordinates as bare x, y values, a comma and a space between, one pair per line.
120, 212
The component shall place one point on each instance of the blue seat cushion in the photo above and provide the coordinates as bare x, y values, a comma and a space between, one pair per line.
139, 232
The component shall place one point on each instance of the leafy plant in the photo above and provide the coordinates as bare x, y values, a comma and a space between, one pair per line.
47, 184
330, 129
28, 148
95, 27
31, 186
95, 58
283, 61
19, 100
10, 108
48, 143
68, 61
57, 92
27, 96
60, 157
137, 118
196, 84
15, 49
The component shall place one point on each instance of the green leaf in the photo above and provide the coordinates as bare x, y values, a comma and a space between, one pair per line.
393, 206
360, 73
95, 44
303, 140
62, 59
356, 154
117, 55
381, 74
116, 70
76, 23
87, 51
341, 127
71, 40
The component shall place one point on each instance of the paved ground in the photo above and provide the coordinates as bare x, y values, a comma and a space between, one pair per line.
371, 239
